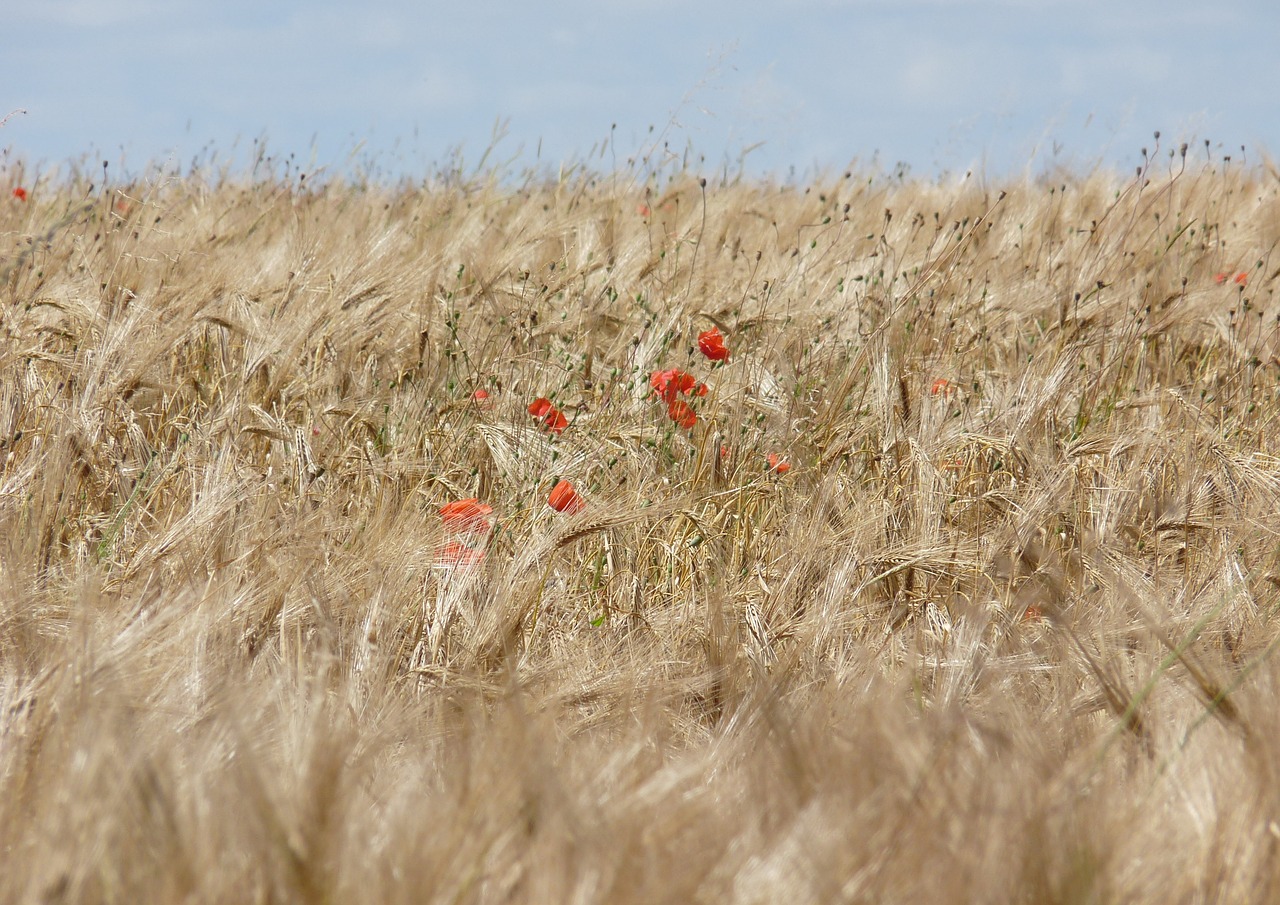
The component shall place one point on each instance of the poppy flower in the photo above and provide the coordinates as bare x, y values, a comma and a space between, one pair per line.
666, 383
466, 515
550, 416
20, 193
1241, 279
777, 464
643, 209
481, 398
682, 413
1221, 278
565, 499
555, 421
453, 554
670, 383
941, 387
711, 343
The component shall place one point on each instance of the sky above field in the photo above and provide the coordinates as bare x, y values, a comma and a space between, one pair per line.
786, 88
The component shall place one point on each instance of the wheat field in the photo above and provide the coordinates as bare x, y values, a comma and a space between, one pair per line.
956, 581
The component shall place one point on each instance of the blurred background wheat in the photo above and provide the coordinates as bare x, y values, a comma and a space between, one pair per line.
994, 623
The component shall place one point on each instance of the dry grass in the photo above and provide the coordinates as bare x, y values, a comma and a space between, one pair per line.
1009, 641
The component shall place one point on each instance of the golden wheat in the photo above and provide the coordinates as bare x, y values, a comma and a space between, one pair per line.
1001, 632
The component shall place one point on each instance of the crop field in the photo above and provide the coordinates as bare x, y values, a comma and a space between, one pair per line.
641, 537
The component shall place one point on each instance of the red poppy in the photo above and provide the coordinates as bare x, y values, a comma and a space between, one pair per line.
942, 387
480, 396
453, 554
1241, 279
711, 342
466, 515
555, 421
682, 413
670, 383
550, 416
665, 383
643, 209
778, 465
20, 193
1221, 278
565, 499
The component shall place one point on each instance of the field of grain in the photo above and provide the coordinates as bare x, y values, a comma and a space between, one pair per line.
956, 581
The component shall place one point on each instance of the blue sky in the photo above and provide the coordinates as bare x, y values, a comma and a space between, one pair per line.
942, 85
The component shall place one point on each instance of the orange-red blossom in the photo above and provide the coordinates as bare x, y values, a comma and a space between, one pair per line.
453, 554
564, 498
672, 382
469, 520
711, 344
466, 515
551, 417
682, 413
670, 385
